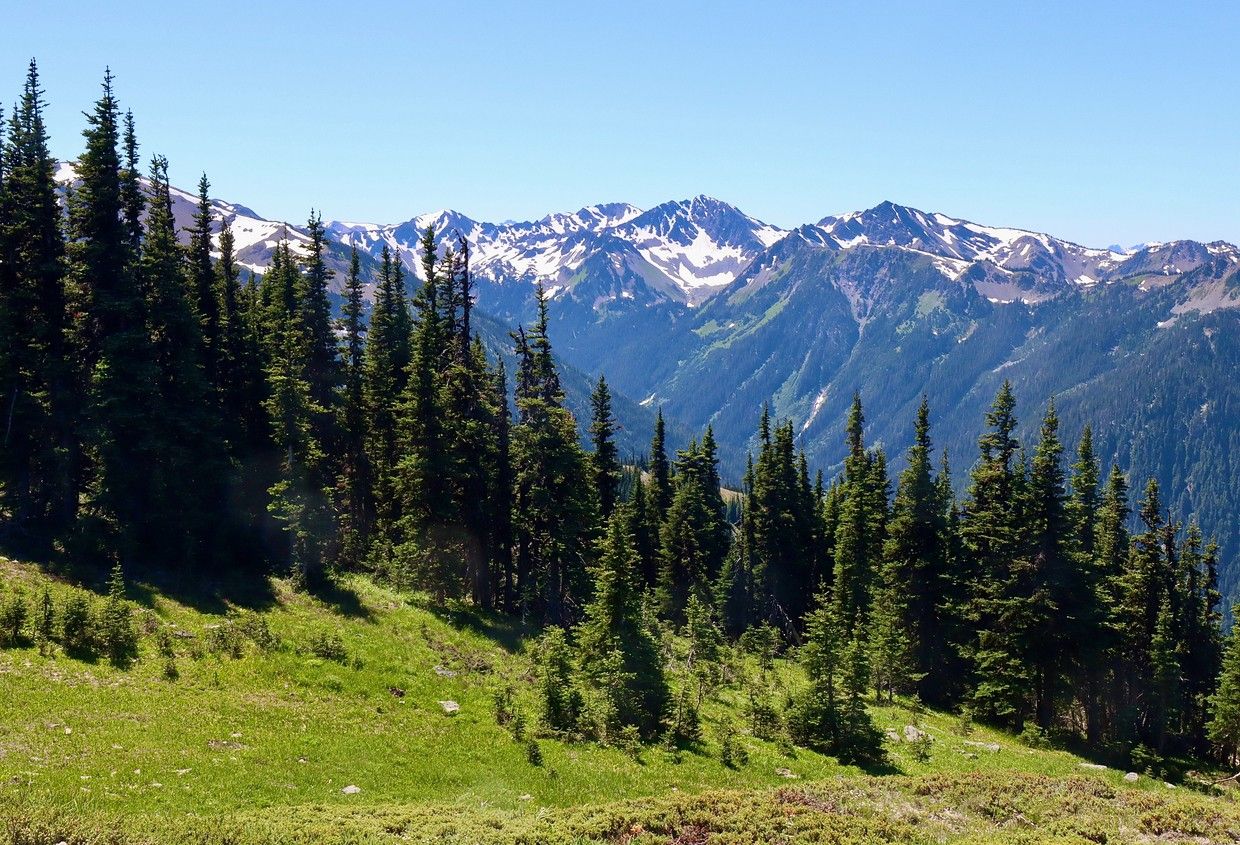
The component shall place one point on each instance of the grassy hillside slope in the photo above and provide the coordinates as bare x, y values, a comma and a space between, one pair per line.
268, 722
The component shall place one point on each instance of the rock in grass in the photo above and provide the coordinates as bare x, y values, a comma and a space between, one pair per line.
450, 707
1132, 777
444, 672
912, 733
992, 747
351, 790
1095, 766
786, 773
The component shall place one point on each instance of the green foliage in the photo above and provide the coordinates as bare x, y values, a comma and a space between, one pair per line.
763, 642
328, 645
618, 656
763, 712
1225, 705
559, 699
1035, 736
683, 725
13, 615
732, 751
922, 747
533, 752
44, 622
224, 640
117, 634
77, 627
830, 715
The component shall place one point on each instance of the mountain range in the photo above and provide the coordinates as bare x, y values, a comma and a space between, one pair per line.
698, 308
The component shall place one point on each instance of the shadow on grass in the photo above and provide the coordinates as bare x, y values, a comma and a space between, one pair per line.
208, 589
508, 632
881, 767
342, 598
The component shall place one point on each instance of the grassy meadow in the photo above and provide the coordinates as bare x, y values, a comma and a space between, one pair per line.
310, 719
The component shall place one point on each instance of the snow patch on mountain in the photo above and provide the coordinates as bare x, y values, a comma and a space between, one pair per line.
696, 246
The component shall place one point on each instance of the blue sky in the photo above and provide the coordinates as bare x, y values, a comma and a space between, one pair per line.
1119, 122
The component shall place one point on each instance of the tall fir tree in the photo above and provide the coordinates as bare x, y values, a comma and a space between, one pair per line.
204, 285
117, 349
189, 476
298, 501
618, 654
916, 578
855, 544
553, 503
355, 484
605, 459
38, 373
993, 541
660, 470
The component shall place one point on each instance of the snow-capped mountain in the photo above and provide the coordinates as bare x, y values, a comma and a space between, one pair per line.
689, 248
614, 256
1007, 264
255, 238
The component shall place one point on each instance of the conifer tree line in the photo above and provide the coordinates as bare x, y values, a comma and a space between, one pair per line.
160, 412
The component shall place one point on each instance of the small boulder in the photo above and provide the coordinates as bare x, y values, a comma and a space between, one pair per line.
1132, 777
787, 773
992, 747
450, 707
444, 672
912, 733
351, 790
1098, 767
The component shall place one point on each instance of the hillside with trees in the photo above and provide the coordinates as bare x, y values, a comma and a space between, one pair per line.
195, 436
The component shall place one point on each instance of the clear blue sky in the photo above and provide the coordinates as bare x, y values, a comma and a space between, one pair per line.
1119, 122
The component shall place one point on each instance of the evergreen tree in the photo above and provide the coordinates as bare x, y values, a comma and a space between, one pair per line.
114, 337
1049, 579
782, 530
1110, 561
645, 533
855, 543
133, 199
1224, 728
1140, 592
355, 482
695, 534
117, 632
38, 378
830, 715
188, 478
992, 538
204, 285
297, 499
430, 547
660, 470
322, 354
384, 376
916, 587
553, 504
605, 459
559, 699
617, 653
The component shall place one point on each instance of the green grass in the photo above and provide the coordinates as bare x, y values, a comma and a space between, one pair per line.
258, 748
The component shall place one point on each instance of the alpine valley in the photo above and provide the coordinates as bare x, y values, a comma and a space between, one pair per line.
697, 308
